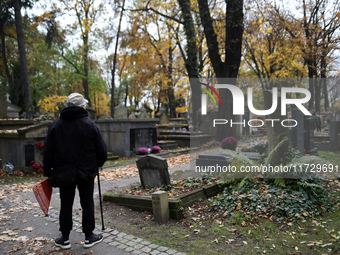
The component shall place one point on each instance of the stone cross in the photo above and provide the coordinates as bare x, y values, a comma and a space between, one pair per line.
7, 98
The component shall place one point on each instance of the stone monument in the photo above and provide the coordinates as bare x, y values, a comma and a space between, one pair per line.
153, 171
334, 131
144, 114
163, 117
12, 110
121, 112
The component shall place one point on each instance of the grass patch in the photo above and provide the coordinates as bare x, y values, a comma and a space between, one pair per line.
119, 162
21, 178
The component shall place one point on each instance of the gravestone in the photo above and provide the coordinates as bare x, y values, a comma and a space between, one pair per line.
121, 112
153, 171
13, 110
163, 117
334, 131
309, 127
297, 133
144, 114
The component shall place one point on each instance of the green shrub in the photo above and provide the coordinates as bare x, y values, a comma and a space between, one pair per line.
263, 198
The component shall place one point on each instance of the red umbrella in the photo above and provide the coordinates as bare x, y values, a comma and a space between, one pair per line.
43, 194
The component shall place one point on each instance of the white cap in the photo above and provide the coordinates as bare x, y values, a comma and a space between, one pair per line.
76, 99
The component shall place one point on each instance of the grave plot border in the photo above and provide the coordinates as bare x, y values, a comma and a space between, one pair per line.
176, 205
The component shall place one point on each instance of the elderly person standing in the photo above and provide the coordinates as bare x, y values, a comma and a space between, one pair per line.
74, 139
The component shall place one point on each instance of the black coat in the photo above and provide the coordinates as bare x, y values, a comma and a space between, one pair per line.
74, 135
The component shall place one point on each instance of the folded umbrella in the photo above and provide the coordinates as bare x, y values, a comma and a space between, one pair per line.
43, 194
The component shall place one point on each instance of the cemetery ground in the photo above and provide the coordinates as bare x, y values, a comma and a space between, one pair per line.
201, 231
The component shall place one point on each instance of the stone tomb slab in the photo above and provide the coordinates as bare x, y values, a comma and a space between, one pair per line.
153, 171
212, 159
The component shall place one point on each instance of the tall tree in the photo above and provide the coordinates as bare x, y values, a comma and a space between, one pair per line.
269, 53
169, 12
113, 71
232, 51
191, 59
5, 17
23, 61
86, 14
316, 34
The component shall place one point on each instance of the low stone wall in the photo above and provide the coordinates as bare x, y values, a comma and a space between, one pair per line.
15, 124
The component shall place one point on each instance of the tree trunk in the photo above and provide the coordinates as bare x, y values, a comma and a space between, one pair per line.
23, 61
324, 83
317, 83
115, 62
191, 60
311, 87
171, 96
86, 69
126, 94
4, 60
233, 46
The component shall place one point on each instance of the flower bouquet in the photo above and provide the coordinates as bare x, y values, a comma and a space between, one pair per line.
229, 143
142, 151
37, 167
156, 149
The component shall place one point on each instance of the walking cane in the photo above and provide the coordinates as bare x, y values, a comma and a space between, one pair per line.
100, 200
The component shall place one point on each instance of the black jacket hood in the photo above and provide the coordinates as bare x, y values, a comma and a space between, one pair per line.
73, 112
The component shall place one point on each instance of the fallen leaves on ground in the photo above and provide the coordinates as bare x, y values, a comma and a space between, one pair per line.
120, 173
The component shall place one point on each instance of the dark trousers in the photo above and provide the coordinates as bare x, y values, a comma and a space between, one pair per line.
67, 194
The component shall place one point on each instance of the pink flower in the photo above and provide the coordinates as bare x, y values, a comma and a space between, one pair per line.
155, 149
143, 151
35, 166
41, 171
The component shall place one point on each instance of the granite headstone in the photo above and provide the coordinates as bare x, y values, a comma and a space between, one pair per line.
163, 117
153, 171
121, 112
